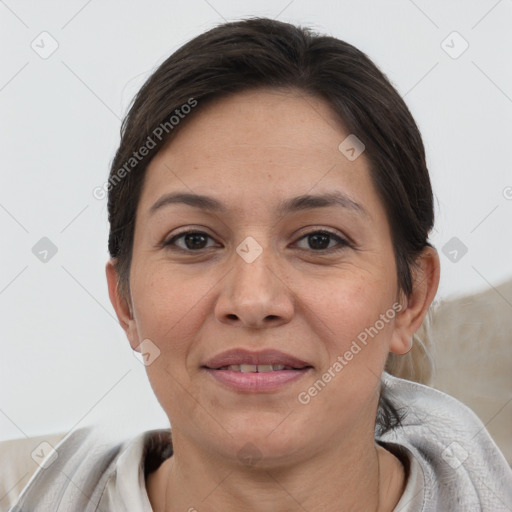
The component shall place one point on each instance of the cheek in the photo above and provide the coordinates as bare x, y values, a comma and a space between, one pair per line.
165, 310
347, 304
355, 326
360, 333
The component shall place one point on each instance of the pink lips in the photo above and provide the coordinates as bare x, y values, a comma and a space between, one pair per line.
242, 356
254, 381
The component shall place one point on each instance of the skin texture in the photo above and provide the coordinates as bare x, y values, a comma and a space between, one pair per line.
251, 151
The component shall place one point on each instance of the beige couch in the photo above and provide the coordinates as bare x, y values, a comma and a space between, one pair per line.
473, 345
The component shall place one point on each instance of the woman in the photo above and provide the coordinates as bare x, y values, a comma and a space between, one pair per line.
270, 208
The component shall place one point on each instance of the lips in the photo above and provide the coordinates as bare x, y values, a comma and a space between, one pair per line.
246, 361
256, 368
267, 371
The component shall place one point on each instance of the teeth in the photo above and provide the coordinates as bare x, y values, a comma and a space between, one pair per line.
253, 368
246, 368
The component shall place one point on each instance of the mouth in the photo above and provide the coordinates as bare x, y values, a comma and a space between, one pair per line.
258, 368
264, 371
245, 361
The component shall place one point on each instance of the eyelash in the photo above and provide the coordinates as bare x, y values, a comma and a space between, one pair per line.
343, 244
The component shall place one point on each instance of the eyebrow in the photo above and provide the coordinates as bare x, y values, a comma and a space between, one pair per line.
299, 203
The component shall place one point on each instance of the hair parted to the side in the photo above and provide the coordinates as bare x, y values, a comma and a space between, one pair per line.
265, 53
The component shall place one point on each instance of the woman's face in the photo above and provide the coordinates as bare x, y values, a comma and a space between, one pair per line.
260, 277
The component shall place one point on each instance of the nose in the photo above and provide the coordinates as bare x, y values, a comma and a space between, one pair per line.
254, 294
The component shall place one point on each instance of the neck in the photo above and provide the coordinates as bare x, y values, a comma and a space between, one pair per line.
352, 477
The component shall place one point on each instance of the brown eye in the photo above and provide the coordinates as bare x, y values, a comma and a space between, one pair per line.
192, 240
320, 240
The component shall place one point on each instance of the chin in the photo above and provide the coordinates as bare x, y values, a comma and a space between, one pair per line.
268, 439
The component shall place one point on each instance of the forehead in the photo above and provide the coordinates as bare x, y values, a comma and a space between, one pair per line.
274, 120
257, 145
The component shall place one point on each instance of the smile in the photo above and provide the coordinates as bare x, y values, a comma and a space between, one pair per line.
259, 368
261, 378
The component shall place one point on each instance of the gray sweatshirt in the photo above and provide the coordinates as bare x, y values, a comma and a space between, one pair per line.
451, 462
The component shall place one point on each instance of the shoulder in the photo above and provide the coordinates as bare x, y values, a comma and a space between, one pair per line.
87, 470
68, 469
463, 469
20, 459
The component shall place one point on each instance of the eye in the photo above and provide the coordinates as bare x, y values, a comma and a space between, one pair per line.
320, 241
193, 240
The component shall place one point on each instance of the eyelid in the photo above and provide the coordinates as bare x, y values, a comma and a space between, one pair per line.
190, 230
343, 241
310, 230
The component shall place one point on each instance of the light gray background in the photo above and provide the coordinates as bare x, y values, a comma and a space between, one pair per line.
65, 361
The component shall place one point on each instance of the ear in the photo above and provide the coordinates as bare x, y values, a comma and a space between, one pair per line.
121, 305
425, 281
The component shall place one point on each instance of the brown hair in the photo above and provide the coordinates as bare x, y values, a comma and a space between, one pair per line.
261, 52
